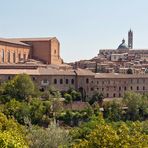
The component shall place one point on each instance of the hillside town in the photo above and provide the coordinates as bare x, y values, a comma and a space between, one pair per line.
124, 60
111, 73
73, 74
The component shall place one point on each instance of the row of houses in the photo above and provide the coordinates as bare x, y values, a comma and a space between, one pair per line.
111, 85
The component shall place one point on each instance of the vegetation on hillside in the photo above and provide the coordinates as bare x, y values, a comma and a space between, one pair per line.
32, 118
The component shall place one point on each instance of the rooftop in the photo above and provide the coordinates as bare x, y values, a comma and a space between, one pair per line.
117, 75
21, 41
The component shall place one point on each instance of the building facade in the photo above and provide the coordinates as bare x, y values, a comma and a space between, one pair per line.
46, 50
111, 85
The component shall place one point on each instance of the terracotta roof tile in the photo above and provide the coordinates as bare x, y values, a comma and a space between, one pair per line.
117, 75
13, 42
84, 72
20, 41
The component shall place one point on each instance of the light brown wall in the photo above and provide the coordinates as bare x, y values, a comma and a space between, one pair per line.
58, 86
46, 51
17, 49
87, 86
55, 51
40, 50
111, 86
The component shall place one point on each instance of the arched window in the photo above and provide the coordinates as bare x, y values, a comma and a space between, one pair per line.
143, 87
66, 81
3, 55
55, 81
137, 87
19, 56
87, 80
14, 57
119, 88
72, 81
8, 56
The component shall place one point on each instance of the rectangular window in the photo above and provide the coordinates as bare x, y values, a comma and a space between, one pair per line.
87, 81
66, 81
55, 81
119, 88
45, 81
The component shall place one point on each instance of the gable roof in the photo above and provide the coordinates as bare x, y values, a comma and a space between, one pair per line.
21, 41
32, 39
16, 42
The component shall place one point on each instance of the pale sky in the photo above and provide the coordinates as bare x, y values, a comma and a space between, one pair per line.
82, 26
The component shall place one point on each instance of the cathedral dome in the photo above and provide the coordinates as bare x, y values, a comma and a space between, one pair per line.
123, 45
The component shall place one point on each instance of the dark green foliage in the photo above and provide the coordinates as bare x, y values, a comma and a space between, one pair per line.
113, 111
137, 106
89, 127
73, 118
97, 97
68, 98
85, 128
50, 93
18, 110
72, 95
37, 111
20, 87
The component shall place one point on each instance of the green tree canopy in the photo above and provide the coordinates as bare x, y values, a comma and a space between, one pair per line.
20, 87
137, 106
97, 97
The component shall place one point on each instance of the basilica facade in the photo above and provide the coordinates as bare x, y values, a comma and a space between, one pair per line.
16, 50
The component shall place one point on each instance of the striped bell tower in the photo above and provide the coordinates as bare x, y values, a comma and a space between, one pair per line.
130, 39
